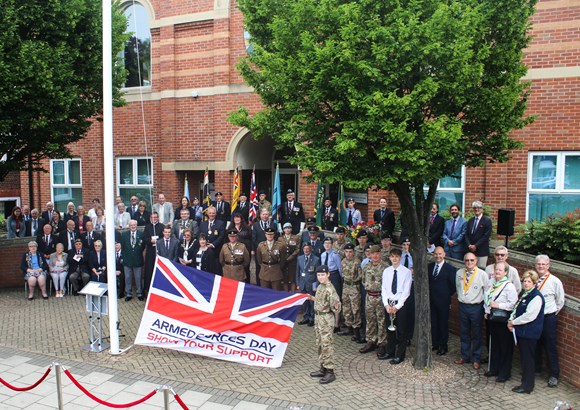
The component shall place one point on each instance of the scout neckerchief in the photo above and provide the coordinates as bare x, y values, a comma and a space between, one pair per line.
467, 284
526, 293
493, 289
543, 281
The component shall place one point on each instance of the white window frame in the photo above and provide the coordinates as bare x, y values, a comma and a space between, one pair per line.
560, 172
461, 189
135, 181
67, 183
149, 9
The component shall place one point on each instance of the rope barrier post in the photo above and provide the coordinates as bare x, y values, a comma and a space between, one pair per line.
166, 390
57, 369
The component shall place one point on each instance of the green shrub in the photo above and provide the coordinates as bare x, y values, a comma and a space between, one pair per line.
557, 236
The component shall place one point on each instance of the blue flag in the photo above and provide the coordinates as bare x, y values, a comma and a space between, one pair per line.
276, 198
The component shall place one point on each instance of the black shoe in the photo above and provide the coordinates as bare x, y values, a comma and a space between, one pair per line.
501, 380
442, 351
346, 332
120, 296
552, 381
382, 350
311, 323
409, 342
304, 322
75, 293
484, 361
128, 298
385, 356
369, 347
435, 348
489, 374
329, 377
31, 298
45, 297
396, 360
318, 373
336, 330
520, 389
141, 298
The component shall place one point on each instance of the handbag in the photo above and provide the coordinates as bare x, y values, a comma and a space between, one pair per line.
499, 315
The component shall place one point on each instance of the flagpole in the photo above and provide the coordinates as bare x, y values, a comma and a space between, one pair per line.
109, 179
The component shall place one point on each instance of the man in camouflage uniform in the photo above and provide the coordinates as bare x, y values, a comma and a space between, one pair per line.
263, 203
386, 242
326, 310
340, 241
351, 297
291, 245
359, 250
376, 331
234, 257
269, 255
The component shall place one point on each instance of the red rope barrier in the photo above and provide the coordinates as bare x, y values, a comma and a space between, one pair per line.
104, 403
5, 383
181, 403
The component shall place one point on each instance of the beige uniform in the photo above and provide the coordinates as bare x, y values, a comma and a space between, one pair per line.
291, 247
269, 258
374, 308
339, 247
326, 305
234, 258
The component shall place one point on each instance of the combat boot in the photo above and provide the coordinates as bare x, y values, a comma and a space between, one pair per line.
357, 336
369, 347
329, 377
346, 331
319, 373
381, 350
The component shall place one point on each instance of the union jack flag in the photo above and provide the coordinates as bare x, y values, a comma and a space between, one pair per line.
253, 198
198, 312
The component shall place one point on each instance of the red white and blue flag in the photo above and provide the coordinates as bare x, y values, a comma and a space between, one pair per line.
198, 312
253, 198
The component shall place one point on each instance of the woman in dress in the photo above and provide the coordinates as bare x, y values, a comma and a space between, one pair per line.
15, 224
142, 215
34, 268
244, 236
205, 258
57, 224
501, 294
99, 219
528, 322
185, 254
58, 268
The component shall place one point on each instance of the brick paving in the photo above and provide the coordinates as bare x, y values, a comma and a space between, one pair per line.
35, 334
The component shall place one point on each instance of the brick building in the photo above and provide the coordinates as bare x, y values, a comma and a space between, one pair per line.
175, 124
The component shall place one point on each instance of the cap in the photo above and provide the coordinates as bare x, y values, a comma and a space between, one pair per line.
232, 232
328, 239
194, 199
243, 194
361, 233
78, 240
327, 198
404, 240
349, 246
387, 235
290, 191
375, 248
340, 229
269, 230
310, 220
313, 228
350, 200
218, 193
261, 193
287, 225
322, 268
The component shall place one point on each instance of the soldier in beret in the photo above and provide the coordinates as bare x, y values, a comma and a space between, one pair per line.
340, 241
234, 257
270, 254
351, 295
291, 245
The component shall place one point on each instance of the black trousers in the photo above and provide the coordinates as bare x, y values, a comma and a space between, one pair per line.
397, 340
547, 342
501, 350
440, 324
527, 361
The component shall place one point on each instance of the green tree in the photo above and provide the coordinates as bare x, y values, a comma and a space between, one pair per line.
51, 70
391, 94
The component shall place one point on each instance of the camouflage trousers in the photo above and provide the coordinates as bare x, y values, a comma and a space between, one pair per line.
375, 311
324, 329
351, 305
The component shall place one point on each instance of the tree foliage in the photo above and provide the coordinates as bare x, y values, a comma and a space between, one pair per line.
51, 70
391, 94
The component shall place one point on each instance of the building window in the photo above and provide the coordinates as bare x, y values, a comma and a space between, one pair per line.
66, 181
553, 183
135, 177
451, 190
138, 48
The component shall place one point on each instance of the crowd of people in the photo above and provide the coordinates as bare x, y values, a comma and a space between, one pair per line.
373, 283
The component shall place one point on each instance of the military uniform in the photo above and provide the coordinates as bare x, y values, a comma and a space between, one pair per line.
351, 298
269, 259
375, 310
265, 204
385, 256
234, 257
359, 252
325, 303
291, 246
338, 246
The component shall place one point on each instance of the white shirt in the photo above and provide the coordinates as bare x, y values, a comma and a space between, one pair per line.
507, 299
474, 294
513, 276
554, 296
404, 281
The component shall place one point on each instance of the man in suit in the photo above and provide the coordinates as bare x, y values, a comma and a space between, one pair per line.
292, 211
454, 234
477, 235
259, 235
243, 207
132, 248
310, 221
330, 216
46, 241
152, 232
26, 213
214, 229
119, 271
78, 265
436, 227
223, 209
164, 210
89, 237
168, 245
34, 224
314, 240
385, 217
441, 288
68, 236
133, 206
305, 278
184, 223
47, 215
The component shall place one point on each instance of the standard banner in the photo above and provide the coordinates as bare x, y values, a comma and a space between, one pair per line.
201, 313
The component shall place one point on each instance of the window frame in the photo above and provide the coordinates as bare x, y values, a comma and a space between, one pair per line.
135, 184
67, 184
126, 5
454, 190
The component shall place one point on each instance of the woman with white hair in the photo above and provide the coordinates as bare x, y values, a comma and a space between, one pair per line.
58, 267
34, 268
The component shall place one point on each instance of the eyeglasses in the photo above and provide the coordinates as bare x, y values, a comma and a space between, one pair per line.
470, 260
501, 254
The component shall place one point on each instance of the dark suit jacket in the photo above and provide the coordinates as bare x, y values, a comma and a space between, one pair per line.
387, 222
46, 248
244, 211
82, 264
169, 253
67, 216
141, 218
130, 210
94, 264
306, 274
63, 238
480, 237
39, 225
96, 236
442, 287
295, 216
132, 255
44, 215
258, 234
208, 260
225, 213
436, 230
216, 236
85, 220
330, 221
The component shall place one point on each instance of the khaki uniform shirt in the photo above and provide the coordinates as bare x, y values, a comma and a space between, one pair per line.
373, 276
269, 260
233, 258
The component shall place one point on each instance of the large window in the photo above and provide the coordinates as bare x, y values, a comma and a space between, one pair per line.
138, 47
451, 190
553, 183
66, 181
135, 177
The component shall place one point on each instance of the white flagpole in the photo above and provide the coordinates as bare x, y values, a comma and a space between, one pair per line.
109, 177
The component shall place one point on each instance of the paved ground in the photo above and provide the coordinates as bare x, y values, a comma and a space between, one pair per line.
35, 334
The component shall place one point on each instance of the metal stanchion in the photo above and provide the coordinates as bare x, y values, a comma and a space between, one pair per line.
57, 368
166, 390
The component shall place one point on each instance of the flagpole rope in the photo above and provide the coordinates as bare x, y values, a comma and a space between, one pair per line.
103, 402
44, 376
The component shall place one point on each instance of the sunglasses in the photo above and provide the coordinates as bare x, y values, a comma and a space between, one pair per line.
470, 260
501, 254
